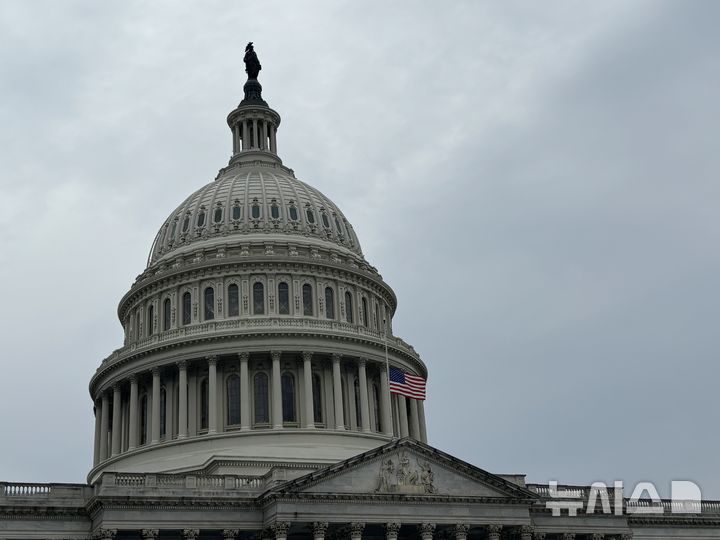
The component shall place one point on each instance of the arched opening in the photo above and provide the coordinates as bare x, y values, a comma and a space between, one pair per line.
283, 298
163, 412
260, 401
204, 404
258, 298
317, 399
233, 400
186, 308
288, 397
233, 300
209, 304
329, 303
167, 312
348, 307
307, 300
144, 419
150, 317
365, 312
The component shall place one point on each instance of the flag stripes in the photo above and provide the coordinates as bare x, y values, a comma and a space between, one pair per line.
406, 384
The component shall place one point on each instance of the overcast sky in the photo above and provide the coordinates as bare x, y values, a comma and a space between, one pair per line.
538, 182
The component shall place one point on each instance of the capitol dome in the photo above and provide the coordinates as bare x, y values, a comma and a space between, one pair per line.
258, 338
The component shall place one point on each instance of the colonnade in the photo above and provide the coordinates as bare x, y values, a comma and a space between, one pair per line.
254, 133
302, 390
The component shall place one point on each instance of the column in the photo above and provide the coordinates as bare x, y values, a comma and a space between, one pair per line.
190, 534
149, 534
307, 377
280, 530
104, 421
182, 400
526, 533
273, 140
244, 393
414, 420
391, 531
96, 452
363, 389
460, 531
421, 417
255, 133
155, 421
133, 422
319, 530
212, 394
356, 530
230, 534
385, 405
426, 530
337, 393
277, 416
493, 532
117, 422
264, 135
402, 415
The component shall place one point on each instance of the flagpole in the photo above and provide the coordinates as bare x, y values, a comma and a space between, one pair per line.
387, 372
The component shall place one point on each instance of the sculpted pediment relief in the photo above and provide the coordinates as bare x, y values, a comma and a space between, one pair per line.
407, 468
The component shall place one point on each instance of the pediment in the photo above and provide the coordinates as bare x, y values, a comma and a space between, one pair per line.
405, 467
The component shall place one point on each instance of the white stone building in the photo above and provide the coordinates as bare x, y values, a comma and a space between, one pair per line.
250, 398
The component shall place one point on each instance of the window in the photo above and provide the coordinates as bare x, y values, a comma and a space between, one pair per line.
307, 299
236, 213
258, 298
348, 307
310, 215
201, 218
337, 225
275, 211
283, 298
288, 397
143, 419
376, 407
293, 213
262, 412
167, 312
329, 303
186, 223
187, 307
209, 311
150, 316
163, 412
204, 404
138, 314
364, 312
218, 215
255, 210
358, 416
233, 300
317, 398
173, 228
377, 317
233, 400
325, 220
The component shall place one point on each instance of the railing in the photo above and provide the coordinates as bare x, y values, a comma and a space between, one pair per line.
247, 325
11, 489
130, 480
182, 481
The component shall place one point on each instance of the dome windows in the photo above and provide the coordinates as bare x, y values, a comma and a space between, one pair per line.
325, 220
233, 300
288, 398
233, 400
255, 209
329, 303
283, 298
186, 223
258, 298
260, 401
209, 304
293, 212
307, 298
201, 217
274, 210
186, 308
167, 314
310, 215
218, 214
348, 307
236, 210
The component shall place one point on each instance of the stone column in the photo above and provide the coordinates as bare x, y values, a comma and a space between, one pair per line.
356, 530
307, 377
277, 416
385, 405
155, 423
212, 394
117, 422
460, 531
414, 420
264, 135
391, 531
230, 534
273, 139
402, 414
421, 418
244, 392
493, 532
526, 532
280, 530
98, 414
337, 393
133, 420
256, 139
149, 534
363, 389
426, 530
319, 530
104, 424
182, 400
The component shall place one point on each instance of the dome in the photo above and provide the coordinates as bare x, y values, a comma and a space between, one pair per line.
253, 200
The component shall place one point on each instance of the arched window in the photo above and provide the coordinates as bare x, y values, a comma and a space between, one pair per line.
143, 419
348, 307
288, 397
329, 303
307, 299
209, 304
317, 398
236, 212
376, 407
186, 308
274, 210
150, 317
358, 417
255, 210
233, 300
292, 210
262, 410
167, 312
233, 400
204, 404
258, 298
364, 312
283, 298
186, 223
310, 215
201, 217
325, 220
218, 214
163, 412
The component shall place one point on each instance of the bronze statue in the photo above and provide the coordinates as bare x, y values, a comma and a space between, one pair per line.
252, 64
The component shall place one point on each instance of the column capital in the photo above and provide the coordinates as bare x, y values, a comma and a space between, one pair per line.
319, 529
243, 356
426, 530
275, 355
539, 535
149, 534
356, 530
155, 371
597, 536
307, 355
362, 361
182, 364
567, 536
626, 536
116, 387
526, 532
190, 534
211, 360
336, 357
460, 531
230, 534
280, 529
107, 534
133, 379
392, 530
493, 531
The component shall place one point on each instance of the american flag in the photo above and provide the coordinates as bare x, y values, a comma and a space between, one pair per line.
407, 385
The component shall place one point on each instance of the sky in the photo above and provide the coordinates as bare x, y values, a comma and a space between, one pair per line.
538, 182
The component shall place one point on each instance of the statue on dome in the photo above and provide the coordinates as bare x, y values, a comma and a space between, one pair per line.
252, 64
